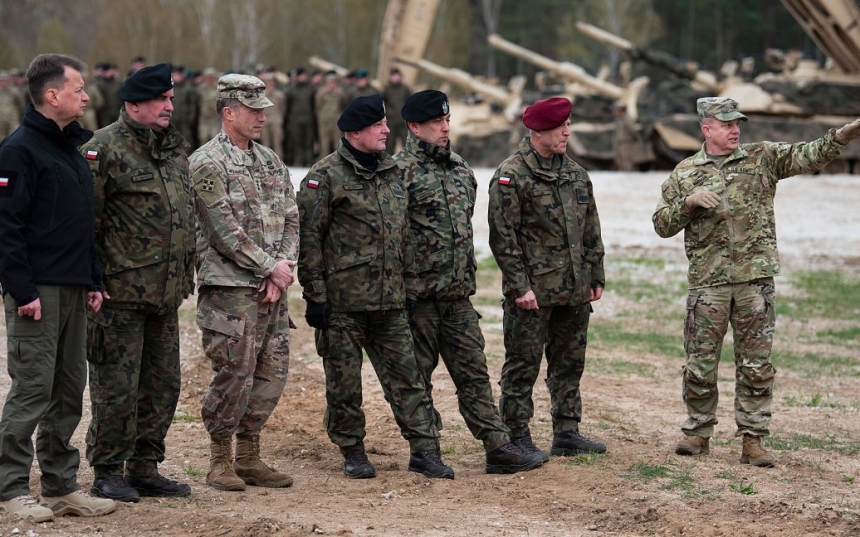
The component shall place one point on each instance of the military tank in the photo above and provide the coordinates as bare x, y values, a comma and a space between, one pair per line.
798, 103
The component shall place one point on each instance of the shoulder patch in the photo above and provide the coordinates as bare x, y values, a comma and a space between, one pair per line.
208, 185
313, 183
92, 154
504, 180
7, 183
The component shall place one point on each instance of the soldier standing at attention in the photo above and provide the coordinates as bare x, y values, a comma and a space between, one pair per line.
249, 235
353, 256
49, 275
394, 94
299, 121
144, 220
441, 189
328, 105
722, 197
545, 235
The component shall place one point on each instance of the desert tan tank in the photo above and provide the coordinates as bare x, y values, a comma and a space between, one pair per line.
798, 103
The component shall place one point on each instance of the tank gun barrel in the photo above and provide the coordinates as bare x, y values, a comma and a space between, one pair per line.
568, 71
463, 80
659, 59
326, 65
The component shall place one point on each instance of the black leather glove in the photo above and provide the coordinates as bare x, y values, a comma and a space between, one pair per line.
317, 314
410, 309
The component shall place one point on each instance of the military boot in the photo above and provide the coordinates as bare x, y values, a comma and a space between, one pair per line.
526, 444
430, 464
510, 459
254, 471
573, 443
693, 445
753, 453
355, 463
221, 475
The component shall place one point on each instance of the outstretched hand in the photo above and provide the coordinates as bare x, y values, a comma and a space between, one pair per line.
848, 132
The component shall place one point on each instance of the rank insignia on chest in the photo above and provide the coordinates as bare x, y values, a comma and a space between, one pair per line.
92, 154
503, 180
207, 185
313, 183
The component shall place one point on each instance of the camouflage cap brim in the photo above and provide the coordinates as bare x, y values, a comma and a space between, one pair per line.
257, 101
730, 116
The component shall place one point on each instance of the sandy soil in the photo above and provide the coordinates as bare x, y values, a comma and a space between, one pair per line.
810, 492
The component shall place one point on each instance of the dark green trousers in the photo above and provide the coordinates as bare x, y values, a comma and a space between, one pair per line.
134, 388
46, 360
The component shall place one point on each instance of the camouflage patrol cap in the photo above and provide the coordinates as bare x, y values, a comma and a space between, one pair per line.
721, 108
249, 90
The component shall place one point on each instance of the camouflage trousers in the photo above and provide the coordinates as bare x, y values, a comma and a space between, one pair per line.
451, 329
329, 136
134, 388
562, 332
749, 307
248, 343
385, 336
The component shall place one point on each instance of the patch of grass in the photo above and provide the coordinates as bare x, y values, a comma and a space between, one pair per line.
584, 458
848, 479
830, 294
648, 472
811, 364
816, 401
804, 441
725, 474
622, 368
847, 336
187, 418
747, 488
618, 336
194, 472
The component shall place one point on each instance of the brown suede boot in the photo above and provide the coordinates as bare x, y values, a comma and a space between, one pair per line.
693, 445
252, 470
221, 475
753, 453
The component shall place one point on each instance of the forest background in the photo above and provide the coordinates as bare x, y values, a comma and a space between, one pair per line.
239, 35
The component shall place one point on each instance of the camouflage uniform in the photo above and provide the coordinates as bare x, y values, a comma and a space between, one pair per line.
208, 122
249, 221
441, 189
545, 236
108, 112
395, 96
328, 105
145, 241
733, 259
186, 107
353, 256
273, 128
301, 126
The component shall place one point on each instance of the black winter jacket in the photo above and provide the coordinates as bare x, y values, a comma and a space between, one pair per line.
46, 209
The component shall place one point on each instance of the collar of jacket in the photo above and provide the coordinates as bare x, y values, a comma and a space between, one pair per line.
385, 162
72, 136
425, 151
147, 136
547, 169
701, 157
237, 155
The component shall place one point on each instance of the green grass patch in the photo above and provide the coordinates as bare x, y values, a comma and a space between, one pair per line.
187, 418
846, 336
646, 472
816, 401
848, 479
811, 364
797, 442
824, 293
743, 488
194, 472
617, 336
583, 459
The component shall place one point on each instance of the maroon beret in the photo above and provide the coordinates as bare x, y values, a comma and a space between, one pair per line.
547, 113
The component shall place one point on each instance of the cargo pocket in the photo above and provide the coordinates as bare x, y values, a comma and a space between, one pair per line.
223, 340
97, 324
690, 320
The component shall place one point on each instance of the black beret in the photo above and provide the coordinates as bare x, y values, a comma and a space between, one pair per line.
147, 83
424, 106
361, 112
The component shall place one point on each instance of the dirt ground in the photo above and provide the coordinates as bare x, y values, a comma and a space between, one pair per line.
810, 492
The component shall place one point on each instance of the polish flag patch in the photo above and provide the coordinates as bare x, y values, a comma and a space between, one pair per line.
313, 183
4, 181
504, 180
92, 154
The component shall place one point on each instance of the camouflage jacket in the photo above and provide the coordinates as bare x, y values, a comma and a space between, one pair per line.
246, 210
441, 189
735, 242
354, 228
544, 228
328, 105
144, 217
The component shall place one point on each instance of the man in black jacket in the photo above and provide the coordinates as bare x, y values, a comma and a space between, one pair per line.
49, 276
